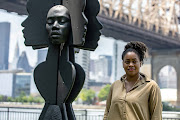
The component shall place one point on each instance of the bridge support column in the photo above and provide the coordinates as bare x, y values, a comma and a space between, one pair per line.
178, 84
159, 59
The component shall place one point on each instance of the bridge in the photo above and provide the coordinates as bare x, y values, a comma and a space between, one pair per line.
154, 22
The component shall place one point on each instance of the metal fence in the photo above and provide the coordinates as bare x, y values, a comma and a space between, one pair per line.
9, 113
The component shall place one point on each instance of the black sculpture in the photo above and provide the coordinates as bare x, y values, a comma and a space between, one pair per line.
59, 79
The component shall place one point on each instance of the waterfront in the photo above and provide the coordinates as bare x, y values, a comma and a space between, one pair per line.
10, 113
16, 113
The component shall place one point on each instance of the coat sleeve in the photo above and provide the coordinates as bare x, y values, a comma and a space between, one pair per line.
108, 104
155, 103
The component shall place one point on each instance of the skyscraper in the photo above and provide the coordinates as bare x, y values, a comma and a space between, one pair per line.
4, 45
13, 65
108, 61
23, 63
83, 59
118, 70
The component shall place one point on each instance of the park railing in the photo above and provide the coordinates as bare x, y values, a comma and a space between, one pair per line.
15, 113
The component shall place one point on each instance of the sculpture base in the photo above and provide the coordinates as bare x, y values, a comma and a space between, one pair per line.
53, 112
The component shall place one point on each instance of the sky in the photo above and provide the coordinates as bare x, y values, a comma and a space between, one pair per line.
105, 45
17, 36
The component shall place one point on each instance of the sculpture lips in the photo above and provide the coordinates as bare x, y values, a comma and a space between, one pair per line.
85, 31
23, 30
99, 34
55, 34
24, 35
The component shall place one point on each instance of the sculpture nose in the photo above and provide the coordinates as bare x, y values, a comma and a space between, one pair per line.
55, 25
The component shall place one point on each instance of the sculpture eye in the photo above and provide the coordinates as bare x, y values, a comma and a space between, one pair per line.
63, 20
50, 21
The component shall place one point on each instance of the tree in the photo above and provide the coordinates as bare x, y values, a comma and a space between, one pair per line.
1, 98
30, 99
87, 96
104, 92
10, 99
168, 107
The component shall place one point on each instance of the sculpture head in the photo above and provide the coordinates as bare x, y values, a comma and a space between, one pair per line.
58, 24
83, 35
35, 32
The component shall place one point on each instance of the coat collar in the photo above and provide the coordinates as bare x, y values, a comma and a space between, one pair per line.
143, 78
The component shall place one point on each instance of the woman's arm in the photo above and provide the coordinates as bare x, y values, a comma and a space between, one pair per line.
108, 104
155, 103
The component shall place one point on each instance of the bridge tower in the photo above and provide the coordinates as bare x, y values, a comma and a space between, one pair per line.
161, 58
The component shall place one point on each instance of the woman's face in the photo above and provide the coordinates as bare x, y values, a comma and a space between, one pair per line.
131, 64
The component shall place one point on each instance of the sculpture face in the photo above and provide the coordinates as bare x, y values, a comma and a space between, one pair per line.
78, 20
58, 24
94, 26
35, 32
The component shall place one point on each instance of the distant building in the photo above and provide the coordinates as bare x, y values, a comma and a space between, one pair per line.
117, 70
4, 45
92, 66
6, 86
22, 83
20, 61
13, 65
23, 63
42, 53
14, 82
83, 59
101, 69
107, 63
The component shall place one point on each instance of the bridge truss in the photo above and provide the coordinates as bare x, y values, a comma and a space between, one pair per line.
154, 22
160, 16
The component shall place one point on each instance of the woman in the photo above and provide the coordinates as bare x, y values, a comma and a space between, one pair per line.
134, 96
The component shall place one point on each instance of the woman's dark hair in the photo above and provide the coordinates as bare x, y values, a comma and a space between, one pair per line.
135, 46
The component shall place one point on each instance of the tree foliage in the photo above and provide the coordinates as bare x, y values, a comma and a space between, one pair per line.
1, 98
87, 96
169, 107
104, 92
22, 98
